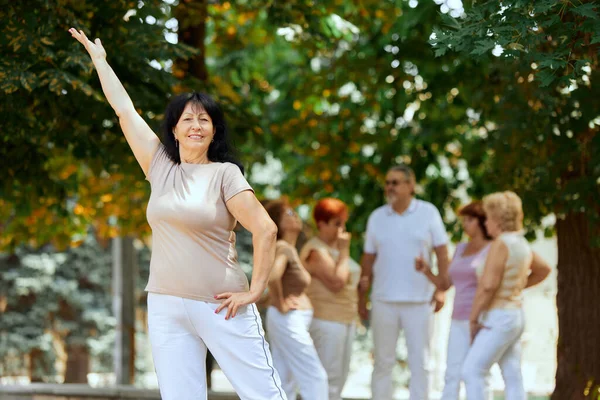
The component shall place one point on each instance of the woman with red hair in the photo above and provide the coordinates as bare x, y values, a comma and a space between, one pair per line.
332, 291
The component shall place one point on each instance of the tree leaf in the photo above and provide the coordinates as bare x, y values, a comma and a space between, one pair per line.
586, 10
545, 77
483, 47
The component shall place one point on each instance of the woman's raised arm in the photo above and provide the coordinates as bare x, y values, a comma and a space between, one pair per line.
142, 140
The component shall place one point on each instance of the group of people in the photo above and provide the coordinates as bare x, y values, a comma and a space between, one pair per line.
489, 272
313, 301
200, 299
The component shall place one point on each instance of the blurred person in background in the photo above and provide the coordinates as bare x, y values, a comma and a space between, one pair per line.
467, 256
497, 320
290, 312
401, 297
332, 291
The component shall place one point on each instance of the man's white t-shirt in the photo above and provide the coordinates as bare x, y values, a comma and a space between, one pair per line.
397, 239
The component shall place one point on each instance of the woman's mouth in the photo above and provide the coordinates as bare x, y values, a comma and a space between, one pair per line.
195, 136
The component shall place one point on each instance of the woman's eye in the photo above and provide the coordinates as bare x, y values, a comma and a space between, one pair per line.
187, 119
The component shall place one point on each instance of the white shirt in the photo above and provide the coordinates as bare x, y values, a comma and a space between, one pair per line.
397, 239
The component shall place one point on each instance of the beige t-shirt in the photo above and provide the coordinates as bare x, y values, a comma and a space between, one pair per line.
329, 306
193, 243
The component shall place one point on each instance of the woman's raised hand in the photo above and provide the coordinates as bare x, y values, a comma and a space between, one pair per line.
343, 240
94, 49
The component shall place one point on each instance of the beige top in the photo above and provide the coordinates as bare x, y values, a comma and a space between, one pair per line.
516, 271
338, 307
193, 243
295, 278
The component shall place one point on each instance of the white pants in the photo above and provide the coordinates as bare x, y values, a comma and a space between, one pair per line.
294, 354
180, 332
333, 341
459, 343
387, 319
499, 342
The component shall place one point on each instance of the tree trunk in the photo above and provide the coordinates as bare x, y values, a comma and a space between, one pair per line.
78, 363
36, 365
191, 16
124, 272
578, 352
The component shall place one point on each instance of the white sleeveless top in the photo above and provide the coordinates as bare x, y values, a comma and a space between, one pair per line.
516, 271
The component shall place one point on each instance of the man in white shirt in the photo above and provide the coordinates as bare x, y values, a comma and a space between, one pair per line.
401, 297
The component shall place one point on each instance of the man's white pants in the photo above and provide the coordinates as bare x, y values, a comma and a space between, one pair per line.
294, 354
499, 342
180, 332
333, 341
459, 343
387, 319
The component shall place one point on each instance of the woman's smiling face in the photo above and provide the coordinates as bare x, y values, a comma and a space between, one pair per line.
194, 130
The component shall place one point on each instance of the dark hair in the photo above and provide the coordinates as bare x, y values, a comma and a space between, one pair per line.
276, 209
475, 209
220, 150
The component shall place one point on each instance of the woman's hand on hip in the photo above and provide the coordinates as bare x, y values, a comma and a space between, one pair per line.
94, 49
233, 301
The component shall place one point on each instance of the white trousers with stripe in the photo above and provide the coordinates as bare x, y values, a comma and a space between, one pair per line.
295, 356
180, 332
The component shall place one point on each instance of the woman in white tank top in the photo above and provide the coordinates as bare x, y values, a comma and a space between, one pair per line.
496, 319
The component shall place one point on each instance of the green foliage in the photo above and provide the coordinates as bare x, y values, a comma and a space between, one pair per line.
82, 288
60, 141
53, 299
538, 128
350, 90
555, 35
26, 302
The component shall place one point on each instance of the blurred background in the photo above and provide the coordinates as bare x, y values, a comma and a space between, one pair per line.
321, 98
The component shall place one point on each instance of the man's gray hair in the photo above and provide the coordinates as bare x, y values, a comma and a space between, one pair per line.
406, 170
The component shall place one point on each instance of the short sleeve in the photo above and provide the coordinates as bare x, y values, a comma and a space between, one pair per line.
233, 182
438, 229
159, 162
370, 246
